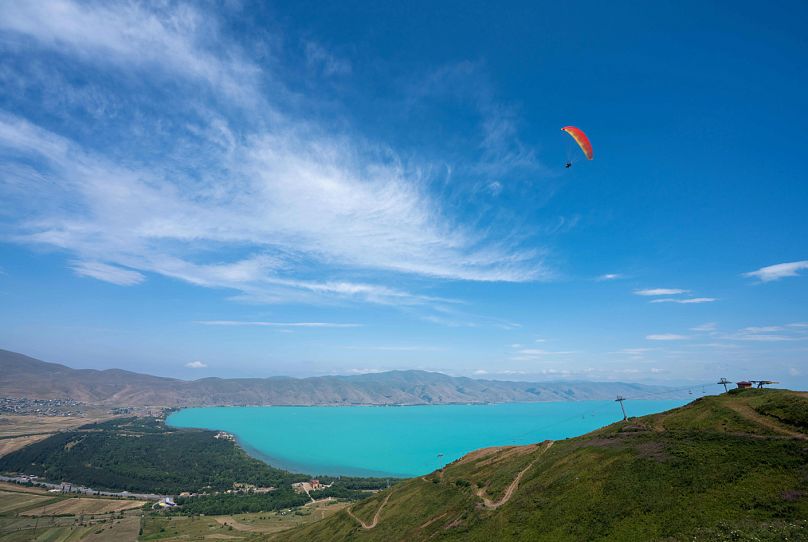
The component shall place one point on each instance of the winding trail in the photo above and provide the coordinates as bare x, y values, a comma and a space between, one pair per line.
372, 524
750, 414
493, 505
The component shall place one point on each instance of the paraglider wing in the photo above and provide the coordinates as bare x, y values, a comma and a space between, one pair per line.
580, 138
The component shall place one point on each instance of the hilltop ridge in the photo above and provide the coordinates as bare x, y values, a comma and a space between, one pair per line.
23, 376
728, 467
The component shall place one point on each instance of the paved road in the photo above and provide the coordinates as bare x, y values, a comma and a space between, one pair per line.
84, 490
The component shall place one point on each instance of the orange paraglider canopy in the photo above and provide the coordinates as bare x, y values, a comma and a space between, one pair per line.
580, 138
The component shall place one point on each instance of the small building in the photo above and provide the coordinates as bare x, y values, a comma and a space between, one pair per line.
315, 484
743, 384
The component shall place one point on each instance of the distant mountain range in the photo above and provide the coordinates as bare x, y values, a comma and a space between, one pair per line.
23, 376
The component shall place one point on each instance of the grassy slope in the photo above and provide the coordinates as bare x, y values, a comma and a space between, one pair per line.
731, 467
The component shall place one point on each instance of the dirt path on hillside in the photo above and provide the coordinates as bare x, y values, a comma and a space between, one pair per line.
493, 505
228, 521
376, 516
750, 414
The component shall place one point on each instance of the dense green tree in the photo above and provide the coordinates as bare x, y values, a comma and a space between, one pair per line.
143, 455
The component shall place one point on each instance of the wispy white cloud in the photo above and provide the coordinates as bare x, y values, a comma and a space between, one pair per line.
685, 301
320, 58
533, 354
610, 276
173, 39
364, 370
706, 327
196, 365
660, 291
495, 187
231, 323
778, 271
252, 208
716, 345
761, 329
398, 348
762, 337
108, 273
768, 334
636, 350
501, 150
666, 337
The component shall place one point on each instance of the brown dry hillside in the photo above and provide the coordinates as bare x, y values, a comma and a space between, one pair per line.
22, 376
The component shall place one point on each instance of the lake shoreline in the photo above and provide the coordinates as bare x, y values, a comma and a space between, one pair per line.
399, 442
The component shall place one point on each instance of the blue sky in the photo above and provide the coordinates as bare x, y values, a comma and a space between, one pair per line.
239, 189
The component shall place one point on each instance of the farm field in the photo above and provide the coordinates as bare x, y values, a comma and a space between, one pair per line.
13, 503
55, 529
77, 506
8, 486
34, 514
236, 526
28, 514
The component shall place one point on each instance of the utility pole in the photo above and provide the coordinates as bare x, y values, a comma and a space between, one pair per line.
620, 400
724, 381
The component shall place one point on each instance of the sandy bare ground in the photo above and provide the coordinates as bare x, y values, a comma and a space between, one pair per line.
477, 454
376, 516
492, 505
8, 445
84, 506
22, 425
750, 414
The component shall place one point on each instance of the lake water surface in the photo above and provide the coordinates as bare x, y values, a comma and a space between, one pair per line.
399, 441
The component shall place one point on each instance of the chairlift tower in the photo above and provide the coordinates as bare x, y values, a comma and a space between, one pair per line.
761, 383
620, 400
724, 381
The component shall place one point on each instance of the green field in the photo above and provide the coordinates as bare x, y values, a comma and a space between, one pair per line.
234, 527
731, 467
30, 515
27, 514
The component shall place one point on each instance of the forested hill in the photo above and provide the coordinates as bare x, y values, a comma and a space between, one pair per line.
729, 467
22, 376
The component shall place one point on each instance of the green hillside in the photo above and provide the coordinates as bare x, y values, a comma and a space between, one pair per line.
143, 455
731, 467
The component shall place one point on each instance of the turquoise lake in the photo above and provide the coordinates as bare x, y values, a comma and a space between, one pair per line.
399, 441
